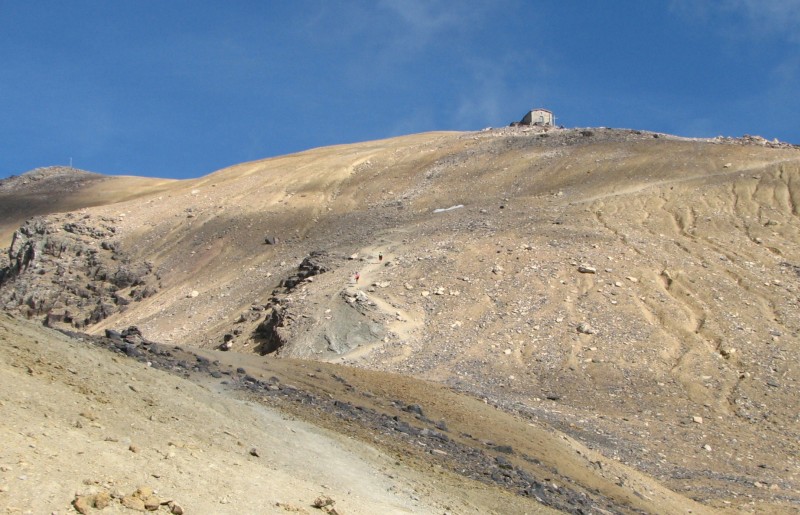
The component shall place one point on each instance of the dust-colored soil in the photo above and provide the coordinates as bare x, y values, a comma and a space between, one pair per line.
615, 306
79, 421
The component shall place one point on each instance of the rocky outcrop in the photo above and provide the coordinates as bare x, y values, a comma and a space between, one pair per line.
292, 326
314, 264
275, 331
748, 139
69, 271
271, 333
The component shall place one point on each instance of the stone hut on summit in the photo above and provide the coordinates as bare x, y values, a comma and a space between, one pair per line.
539, 116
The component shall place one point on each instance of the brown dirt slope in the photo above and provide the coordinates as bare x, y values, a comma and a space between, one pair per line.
72, 433
58, 188
637, 292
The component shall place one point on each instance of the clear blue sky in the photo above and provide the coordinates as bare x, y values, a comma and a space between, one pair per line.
178, 88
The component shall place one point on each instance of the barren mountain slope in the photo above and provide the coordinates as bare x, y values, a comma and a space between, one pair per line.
636, 291
75, 437
59, 189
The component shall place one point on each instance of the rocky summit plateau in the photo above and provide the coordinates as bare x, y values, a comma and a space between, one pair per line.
516, 320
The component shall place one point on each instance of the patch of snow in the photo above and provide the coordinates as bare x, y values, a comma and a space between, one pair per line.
442, 210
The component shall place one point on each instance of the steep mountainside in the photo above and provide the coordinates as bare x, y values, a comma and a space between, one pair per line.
636, 291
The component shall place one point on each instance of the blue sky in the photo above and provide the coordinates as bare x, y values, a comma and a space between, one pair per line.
178, 88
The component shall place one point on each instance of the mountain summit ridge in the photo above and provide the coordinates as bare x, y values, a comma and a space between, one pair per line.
636, 291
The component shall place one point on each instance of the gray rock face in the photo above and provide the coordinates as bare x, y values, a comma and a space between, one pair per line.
270, 332
316, 263
69, 271
292, 328
274, 331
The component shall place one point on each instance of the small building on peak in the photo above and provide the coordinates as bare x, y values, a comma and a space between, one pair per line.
539, 116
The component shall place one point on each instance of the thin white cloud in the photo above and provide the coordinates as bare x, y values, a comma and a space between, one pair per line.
745, 18
486, 91
769, 17
423, 21
494, 96
416, 119
771, 27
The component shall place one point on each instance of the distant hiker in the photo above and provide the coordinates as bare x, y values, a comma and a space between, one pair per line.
380, 257
358, 276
